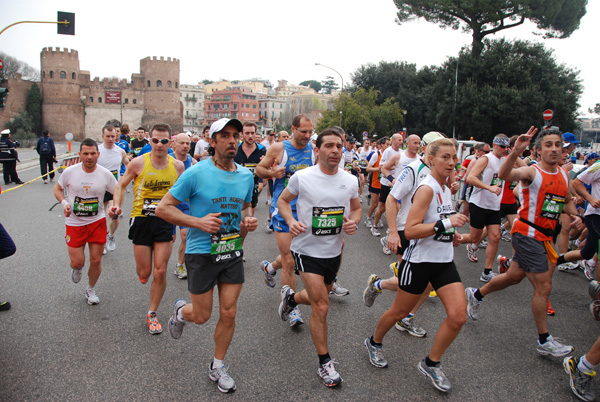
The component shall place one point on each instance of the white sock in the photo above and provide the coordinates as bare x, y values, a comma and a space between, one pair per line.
270, 269
180, 315
89, 288
150, 312
217, 363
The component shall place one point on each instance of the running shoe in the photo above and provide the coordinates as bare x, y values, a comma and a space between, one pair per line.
45, 181
219, 375
268, 227
394, 268
472, 304
296, 317
581, 382
371, 291
551, 311
594, 290
553, 347
380, 224
284, 308
506, 236
567, 266
175, 326
92, 298
595, 309
482, 244
472, 252
487, 277
180, 271
383, 242
503, 263
338, 290
436, 375
104, 251
589, 269
328, 374
375, 354
375, 231
76, 274
154, 326
408, 325
111, 244
269, 278
4, 306
369, 222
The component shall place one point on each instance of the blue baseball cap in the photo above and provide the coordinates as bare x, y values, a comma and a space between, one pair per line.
570, 137
593, 155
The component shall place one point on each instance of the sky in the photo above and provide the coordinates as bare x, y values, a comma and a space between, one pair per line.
267, 39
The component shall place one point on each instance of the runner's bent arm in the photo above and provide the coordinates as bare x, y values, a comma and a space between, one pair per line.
389, 166
133, 170
248, 221
473, 176
264, 169
285, 210
60, 197
167, 210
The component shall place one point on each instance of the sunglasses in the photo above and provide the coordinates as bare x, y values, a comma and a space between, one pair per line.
164, 141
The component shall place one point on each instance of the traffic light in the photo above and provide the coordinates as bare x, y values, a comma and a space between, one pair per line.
66, 29
3, 94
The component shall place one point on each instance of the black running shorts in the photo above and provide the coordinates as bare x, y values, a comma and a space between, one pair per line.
414, 277
204, 274
326, 267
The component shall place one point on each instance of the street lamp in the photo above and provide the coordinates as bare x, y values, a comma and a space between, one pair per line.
342, 91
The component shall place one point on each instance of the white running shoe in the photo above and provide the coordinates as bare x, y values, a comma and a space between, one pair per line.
92, 298
76, 274
111, 244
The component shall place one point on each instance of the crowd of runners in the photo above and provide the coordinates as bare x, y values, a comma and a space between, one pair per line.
521, 189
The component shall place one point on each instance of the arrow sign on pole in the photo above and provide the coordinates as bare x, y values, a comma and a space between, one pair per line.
548, 114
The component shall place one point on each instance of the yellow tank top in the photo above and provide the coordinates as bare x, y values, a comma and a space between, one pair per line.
151, 186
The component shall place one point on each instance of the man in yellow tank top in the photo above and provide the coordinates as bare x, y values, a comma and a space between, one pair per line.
153, 174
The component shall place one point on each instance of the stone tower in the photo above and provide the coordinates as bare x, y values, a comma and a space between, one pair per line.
161, 94
62, 107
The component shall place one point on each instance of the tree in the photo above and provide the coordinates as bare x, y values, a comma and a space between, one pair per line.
12, 66
316, 85
34, 108
329, 85
505, 90
557, 18
596, 109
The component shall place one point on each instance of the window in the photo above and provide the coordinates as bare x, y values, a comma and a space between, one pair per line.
99, 100
51, 74
235, 106
216, 115
73, 75
169, 84
158, 83
148, 83
134, 101
43, 74
209, 106
176, 86
253, 114
91, 99
187, 104
126, 100
254, 106
63, 74
273, 104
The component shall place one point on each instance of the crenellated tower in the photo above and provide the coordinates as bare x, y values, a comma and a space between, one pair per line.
161, 92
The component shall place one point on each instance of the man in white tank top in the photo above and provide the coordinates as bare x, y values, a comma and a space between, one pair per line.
111, 157
484, 204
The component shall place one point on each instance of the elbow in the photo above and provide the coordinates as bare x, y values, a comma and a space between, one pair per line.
409, 233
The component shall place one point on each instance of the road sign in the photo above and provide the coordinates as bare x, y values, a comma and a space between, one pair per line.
0, 64
365, 134
548, 114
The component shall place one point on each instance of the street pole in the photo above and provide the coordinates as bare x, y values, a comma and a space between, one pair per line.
342, 91
454, 108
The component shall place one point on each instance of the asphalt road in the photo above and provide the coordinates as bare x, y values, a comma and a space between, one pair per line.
53, 346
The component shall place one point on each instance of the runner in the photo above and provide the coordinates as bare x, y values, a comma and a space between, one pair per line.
110, 157
543, 195
281, 161
154, 174
86, 183
374, 168
249, 155
431, 227
181, 148
219, 193
317, 245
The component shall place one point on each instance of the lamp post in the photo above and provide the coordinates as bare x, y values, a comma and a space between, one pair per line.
341, 92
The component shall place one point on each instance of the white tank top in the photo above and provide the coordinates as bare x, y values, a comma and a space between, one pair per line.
110, 158
484, 198
406, 184
436, 248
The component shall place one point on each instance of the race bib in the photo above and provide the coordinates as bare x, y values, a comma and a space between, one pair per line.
115, 173
225, 246
149, 207
251, 167
446, 236
496, 181
327, 220
513, 184
552, 207
85, 206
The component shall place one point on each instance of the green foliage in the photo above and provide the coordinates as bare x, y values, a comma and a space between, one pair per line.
316, 85
21, 127
596, 109
34, 108
362, 113
329, 85
206, 82
557, 18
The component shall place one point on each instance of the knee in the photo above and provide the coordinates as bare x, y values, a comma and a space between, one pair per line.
160, 274
543, 289
494, 237
227, 315
320, 307
95, 260
457, 317
287, 262
200, 317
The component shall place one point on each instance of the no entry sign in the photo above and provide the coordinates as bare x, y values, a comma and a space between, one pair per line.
548, 114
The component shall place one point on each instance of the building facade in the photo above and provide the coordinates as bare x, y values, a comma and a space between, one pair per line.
192, 99
238, 103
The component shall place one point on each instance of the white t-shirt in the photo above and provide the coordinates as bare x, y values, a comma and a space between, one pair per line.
438, 247
323, 201
484, 198
85, 193
387, 155
591, 177
110, 158
405, 186
202, 147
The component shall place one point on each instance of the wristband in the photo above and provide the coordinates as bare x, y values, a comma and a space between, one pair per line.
447, 224
63, 203
439, 227
390, 178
